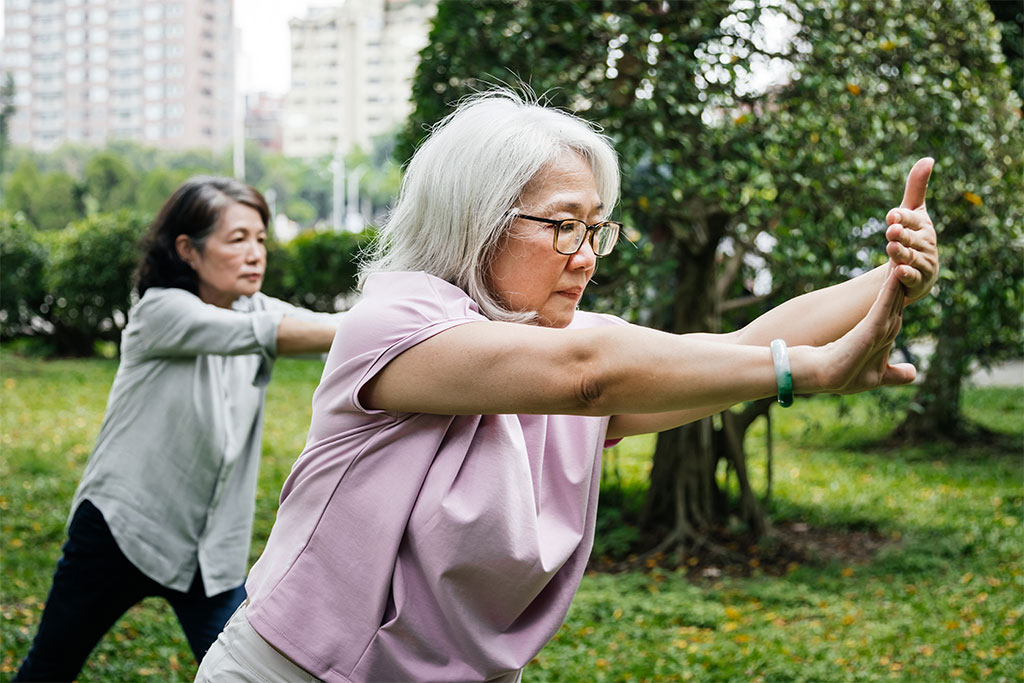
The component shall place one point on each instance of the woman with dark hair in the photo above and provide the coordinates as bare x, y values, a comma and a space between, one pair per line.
165, 505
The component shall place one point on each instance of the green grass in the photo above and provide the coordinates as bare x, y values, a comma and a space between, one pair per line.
943, 601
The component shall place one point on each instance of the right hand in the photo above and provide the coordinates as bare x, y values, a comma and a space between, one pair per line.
859, 360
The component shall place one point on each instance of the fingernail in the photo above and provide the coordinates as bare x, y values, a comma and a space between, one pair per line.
896, 217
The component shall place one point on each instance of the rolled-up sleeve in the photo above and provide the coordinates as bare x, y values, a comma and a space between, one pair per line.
174, 322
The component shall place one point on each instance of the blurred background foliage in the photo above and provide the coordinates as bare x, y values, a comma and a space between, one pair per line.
756, 168
761, 145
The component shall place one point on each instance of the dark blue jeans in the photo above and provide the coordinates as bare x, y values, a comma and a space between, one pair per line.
93, 586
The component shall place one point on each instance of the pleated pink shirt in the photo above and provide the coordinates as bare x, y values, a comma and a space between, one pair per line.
416, 547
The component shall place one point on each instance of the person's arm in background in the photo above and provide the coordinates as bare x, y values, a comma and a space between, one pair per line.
301, 330
303, 335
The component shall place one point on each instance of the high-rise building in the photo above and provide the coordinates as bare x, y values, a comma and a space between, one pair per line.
89, 71
351, 69
263, 120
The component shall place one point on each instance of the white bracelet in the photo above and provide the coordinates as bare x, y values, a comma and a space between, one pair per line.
783, 376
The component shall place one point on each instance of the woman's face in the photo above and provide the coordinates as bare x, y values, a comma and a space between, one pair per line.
232, 261
527, 274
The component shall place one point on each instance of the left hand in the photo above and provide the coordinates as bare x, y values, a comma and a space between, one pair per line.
912, 248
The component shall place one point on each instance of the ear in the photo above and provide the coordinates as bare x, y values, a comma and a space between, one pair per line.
186, 251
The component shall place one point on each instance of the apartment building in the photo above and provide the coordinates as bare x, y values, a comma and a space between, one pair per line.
89, 71
351, 69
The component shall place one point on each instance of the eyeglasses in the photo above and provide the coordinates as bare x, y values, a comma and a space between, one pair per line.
571, 232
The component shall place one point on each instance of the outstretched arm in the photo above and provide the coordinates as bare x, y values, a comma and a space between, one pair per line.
496, 368
299, 335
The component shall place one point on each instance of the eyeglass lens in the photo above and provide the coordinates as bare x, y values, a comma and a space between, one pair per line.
571, 233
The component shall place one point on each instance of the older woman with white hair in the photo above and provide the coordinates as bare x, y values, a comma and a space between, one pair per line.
438, 522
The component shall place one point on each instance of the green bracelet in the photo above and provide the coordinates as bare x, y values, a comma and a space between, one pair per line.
783, 377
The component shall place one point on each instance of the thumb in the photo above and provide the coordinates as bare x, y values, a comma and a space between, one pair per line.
900, 373
917, 184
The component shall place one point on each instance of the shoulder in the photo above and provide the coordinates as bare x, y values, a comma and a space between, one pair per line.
586, 319
416, 296
397, 305
164, 300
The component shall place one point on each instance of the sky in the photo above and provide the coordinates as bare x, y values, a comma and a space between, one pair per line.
265, 62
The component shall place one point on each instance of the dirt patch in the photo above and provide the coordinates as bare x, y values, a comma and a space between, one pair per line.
787, 546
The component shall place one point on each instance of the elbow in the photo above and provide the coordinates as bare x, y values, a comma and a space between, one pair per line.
591, 384
589, 392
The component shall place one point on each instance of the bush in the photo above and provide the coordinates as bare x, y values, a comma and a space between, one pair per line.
90, 279
315, 268
22, 265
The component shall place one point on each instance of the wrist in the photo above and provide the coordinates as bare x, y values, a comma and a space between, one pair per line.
805, 363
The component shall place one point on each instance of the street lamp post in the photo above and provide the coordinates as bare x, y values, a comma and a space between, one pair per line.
338, 194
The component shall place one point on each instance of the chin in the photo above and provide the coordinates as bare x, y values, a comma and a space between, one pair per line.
557, 321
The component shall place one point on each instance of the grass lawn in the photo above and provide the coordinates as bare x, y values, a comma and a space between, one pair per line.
941, 601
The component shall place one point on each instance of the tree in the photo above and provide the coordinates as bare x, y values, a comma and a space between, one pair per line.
935, 85
721, 178
7, 109
661, 79
1009, 15
49, 200
109, 183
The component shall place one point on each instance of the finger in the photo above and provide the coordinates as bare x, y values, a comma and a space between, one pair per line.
888, 302
917, 184
899, 254
896, 309
909, 277
907, 236
901, 373
912, 220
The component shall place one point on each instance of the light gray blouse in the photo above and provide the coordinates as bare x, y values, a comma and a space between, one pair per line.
174, 467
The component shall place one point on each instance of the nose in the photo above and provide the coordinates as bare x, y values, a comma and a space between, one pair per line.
584, 258
256, 251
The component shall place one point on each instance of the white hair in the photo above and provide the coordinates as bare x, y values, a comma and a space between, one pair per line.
462, 184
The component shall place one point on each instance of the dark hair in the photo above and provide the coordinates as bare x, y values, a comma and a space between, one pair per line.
194, 210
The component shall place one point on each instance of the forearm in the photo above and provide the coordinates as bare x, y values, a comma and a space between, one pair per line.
675, 379
503, 368
818, 317
295, 336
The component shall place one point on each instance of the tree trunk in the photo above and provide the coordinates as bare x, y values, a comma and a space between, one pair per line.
684, 500
937, 413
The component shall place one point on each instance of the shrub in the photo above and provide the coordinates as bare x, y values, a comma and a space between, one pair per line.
22, 264
90, 279
315, 268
